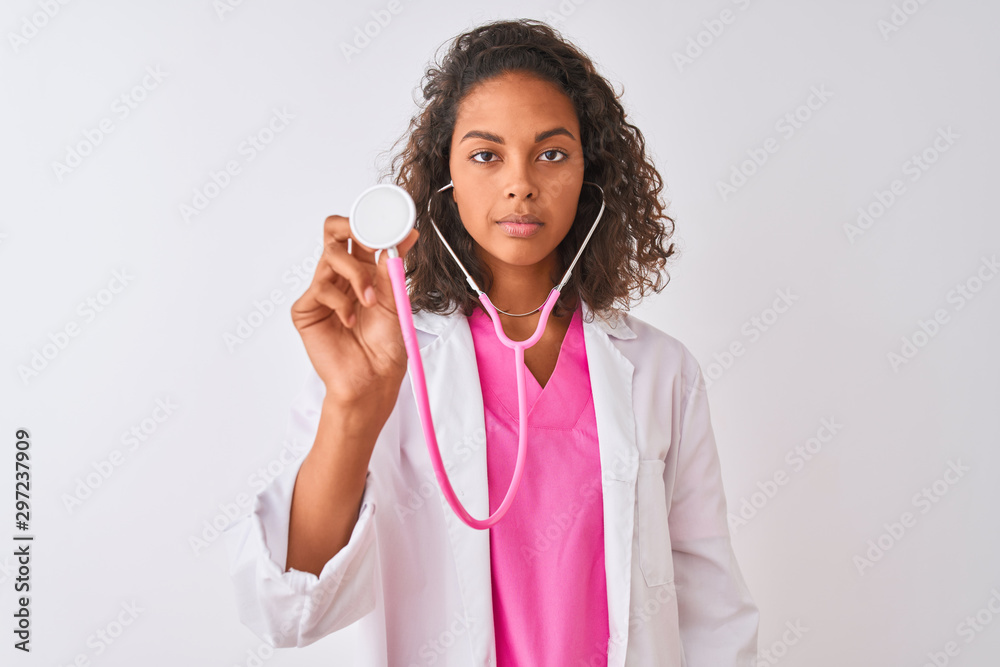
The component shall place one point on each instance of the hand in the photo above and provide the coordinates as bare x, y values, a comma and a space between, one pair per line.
355, 344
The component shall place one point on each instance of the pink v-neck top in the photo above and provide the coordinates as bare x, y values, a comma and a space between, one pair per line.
550, 602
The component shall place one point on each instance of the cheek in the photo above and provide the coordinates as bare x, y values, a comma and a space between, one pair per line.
566, 184
473, 206
568, 199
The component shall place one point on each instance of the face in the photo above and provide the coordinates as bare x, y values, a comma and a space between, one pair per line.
516, 150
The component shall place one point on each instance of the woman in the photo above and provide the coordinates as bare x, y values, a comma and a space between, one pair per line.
616, 549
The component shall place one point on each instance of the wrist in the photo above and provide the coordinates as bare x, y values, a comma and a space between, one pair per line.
357, 415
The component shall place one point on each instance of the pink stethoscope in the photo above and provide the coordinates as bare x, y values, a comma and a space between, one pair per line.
381, 217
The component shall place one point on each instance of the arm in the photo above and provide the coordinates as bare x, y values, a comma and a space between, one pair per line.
329, 486
718, 617
283, 605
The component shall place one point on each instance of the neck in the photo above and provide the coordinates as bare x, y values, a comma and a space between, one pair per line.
521, 289
522, 327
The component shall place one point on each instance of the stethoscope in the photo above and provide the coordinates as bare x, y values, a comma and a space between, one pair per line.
381, 217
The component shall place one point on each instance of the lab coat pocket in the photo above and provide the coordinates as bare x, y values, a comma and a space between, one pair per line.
655, 556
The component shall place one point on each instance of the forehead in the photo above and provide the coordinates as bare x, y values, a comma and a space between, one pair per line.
515, 103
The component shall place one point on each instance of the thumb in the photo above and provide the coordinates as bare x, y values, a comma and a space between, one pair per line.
382, 269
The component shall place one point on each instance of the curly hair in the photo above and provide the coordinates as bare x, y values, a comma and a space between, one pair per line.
626, 250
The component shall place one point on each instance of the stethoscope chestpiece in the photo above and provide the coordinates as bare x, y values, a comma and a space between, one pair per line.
382, 216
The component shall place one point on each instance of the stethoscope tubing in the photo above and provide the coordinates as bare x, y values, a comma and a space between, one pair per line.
397, 277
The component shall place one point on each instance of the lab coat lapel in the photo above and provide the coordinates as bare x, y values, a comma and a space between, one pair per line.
452, 377
460, 432
611, 384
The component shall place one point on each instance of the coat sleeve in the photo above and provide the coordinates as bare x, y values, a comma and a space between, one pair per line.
717, 616
296, 608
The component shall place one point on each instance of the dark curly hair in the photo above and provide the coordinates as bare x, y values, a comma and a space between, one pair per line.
627, 246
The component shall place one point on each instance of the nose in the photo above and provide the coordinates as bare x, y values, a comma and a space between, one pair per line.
522, 184
522, 189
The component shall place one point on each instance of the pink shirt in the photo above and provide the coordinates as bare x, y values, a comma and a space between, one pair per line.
550, 602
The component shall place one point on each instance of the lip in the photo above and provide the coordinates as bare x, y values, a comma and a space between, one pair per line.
519, 230
521, 219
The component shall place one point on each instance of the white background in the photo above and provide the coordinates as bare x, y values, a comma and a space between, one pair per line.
162, 336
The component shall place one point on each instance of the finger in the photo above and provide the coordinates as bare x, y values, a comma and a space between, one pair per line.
322, 297
337, 229
349, 267
335, 299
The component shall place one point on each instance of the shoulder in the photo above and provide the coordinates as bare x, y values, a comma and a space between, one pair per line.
658, 351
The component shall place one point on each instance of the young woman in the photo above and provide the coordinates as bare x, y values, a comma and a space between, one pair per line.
616, 549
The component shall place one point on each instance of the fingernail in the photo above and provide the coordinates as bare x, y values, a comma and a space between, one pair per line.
370, 295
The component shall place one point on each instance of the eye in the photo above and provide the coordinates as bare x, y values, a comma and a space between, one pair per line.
557, 152
473, 156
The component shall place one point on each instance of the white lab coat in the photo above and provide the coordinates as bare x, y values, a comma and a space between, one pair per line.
417, 580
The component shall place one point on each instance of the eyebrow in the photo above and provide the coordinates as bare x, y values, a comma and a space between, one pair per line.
497, 139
